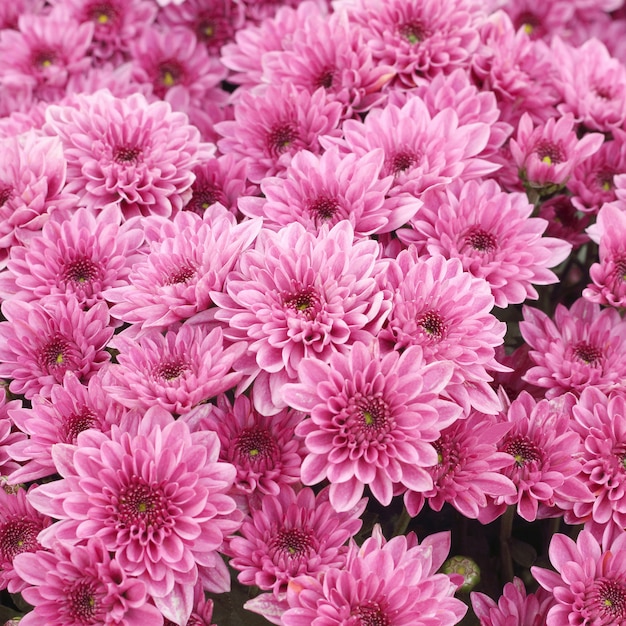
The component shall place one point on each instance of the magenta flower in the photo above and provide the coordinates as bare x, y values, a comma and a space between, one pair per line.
20, 524
273, 125
292, 535
297, 294
584, 346
372, 421
383, 582
155, 495
39, 344
127, 151
589, 584
82, 585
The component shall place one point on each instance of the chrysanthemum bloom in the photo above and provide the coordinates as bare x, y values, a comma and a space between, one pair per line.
20, 524
75, 258
189, 256
155, 494
82, 585
263, 449
609, 275
418, 38
592, 84
589, 584
44, 52
443, 308
70, 409
116, 24
297, 294
515, 607
584, 346
468, 469
545, 456
176, 371
373, 421
8, 435
541, 20
39, 344
383, 582
291, 535
326, 189
127, 151
32, 186
547, 154
565, 221
601, 422
329, 52
214, 24
517, 70
494, 236
273, 125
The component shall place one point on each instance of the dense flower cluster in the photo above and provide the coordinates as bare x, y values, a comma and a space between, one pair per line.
282, 281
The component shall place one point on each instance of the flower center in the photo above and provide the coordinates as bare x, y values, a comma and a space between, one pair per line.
255, 444
374, 415
203, 198
370, 614
83, 604
432, 324
324, 208
549, 152
305, 302
413, 31
181, 275
44, 58
480, 239
81, 271
18, 535
587, 353
126, 154
293, 542
522, 449
281, 137
171, 370
170, 73
402, 161
101, 13
325, 79
5, 194
611, 599
55, 353
140, 506
76, 423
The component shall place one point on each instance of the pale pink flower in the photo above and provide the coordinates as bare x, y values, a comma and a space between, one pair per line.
297, 294
589, 585
584, 346
127, 151
82, 585
39, 344
372, 421
155, 495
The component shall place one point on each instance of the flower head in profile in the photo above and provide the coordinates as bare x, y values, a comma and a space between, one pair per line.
372, 421
82, 585
154, 494
589, 584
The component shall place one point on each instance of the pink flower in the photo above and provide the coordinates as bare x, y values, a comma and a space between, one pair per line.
494, 236
273, 125
39, 344
11, 11
565, 221
20, 524
584, 346
82, 585
297, 294
155, 495
372, 421
127, 151
292, 535
589, 584
541, 20
8, 435
188, 257
383, 582
176, 370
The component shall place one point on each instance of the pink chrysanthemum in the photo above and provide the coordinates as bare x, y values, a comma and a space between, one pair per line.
8, 435
273, 125
584, 346
589, 584
383, 582
39, 344
494, 235
545, 456
20, 524
189, 256
514, 608
70, 409
541, 20
263, 449
82, 585
176, 371
292, 535
297, 294
11, 11
76, 258
372, 421
32, 187
127, 151
418, 38
444, 309
326, 189
468, 469
155, 494
565, 221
